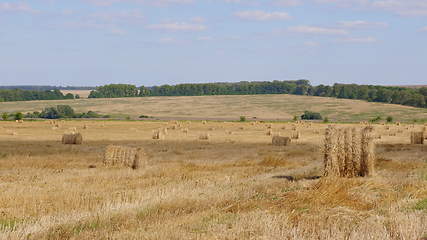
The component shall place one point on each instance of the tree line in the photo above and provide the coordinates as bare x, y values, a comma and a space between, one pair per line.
11, 95
45, 87
416, 97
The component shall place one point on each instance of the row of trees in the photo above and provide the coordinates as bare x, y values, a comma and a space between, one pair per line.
62, 111
45, 87
11, 95
242, 88
395, 95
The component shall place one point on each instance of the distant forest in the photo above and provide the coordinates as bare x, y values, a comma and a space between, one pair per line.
45, 88
416, 97
11, 95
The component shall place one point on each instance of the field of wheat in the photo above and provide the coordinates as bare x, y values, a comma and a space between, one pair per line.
204, 180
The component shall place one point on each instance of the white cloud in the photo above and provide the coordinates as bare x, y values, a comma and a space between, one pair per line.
109, 28
129, 16
151, 2
318, 30
287, 3
198, 19
178, 26
401, 7
362, 24
359, 40
16, 7
262, 16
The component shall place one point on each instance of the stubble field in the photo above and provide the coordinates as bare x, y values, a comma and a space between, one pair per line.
236, 185
281, 107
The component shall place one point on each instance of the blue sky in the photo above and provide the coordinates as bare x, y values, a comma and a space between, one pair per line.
153, 42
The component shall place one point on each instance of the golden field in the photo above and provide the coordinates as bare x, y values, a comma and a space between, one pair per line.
236, 185
81, 93
262, 107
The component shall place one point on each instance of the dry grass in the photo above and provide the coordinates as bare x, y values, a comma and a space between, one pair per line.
235, 186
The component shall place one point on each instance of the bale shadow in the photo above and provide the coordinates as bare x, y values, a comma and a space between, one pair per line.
294, 179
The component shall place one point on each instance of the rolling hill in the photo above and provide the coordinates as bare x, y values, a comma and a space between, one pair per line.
261, 107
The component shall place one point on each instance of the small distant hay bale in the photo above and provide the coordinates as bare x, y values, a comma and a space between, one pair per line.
204, 122
229, 132
174, 127
204, 136
417, 137
295, 135
85, 127
20, 121
185, 130
241, 128
158, 135
269, 133
72, 138
269, 126
121, 156
280, 141
12, 133
211, 129
165, 131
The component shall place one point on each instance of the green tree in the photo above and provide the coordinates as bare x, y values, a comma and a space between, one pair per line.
18, 116
308, 115
389, 119
65, 111
50, 113
5, 116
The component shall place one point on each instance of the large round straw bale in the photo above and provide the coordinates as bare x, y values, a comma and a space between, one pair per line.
72, 138
280, 141
417, 137
122, 156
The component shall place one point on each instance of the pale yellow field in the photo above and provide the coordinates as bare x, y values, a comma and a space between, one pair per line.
261, 107
233, 186
81, 93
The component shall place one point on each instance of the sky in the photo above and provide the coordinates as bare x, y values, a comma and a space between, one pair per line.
154, 42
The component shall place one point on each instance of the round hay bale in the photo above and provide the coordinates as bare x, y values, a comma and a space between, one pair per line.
158, 135
280, 141
72, 138
295, 135
122, 156
204, 136
417, 137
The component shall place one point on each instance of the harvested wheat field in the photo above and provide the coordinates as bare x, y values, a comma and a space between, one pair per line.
271, 107
228, 186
